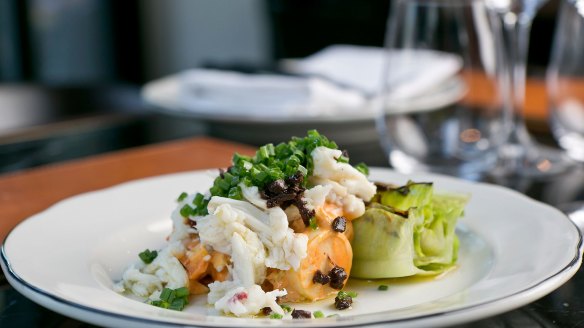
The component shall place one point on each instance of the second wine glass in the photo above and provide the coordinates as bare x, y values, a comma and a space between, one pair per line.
522, 155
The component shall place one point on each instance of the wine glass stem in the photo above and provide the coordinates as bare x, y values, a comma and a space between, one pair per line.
517, 29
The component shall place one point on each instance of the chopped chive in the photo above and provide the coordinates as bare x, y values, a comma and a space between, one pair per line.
312, 223
286, 308
268, 164
166, 295
147, 256
178, 304
173, 299
344, 294
198, 200
363, 168
182, 292
160, 304
352, 294
186, 211
235, 193
343, 159
276, 316
382, 287
318, 314
182, 196
332, 315
302, 170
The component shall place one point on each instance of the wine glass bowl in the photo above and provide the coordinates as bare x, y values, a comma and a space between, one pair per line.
521, 155
565, 80
460, 137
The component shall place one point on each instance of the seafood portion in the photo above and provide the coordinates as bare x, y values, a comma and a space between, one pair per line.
273, 227
291, 224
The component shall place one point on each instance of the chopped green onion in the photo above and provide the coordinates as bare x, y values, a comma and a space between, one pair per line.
182, 292
303, 170
270, 163
182, 196
167, 295
178, 304
173, 299
198, 200
343, 294
312, 223
235, 193
276, 316
147, 256
343, 159
286, 308
237, 158
382, 287
223, 184
160, 304
363, 168
318, 314
186, 211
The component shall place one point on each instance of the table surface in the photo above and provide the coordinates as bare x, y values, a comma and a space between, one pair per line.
49, 184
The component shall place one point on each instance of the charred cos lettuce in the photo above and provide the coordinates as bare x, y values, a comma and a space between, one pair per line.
406, 231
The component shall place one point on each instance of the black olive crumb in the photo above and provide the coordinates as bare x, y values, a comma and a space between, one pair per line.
343, 303
301, 314
320, 278
266, 311
339, 224
338, 277
289, 191
338, 285
277, 186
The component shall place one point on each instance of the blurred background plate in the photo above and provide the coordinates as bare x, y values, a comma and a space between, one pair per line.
260, 120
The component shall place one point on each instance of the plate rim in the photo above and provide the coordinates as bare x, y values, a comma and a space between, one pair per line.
520, 298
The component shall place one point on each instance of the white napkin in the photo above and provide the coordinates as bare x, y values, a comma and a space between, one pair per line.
338, 82
411, 73
272, 95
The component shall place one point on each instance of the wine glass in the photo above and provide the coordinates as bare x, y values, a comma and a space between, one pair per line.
444, 105
565, 79
522, 156
565, 82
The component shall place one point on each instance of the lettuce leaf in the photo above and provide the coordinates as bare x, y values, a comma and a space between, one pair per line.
407, 231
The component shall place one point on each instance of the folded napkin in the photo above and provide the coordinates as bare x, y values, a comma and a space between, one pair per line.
339, 82
410, 73
231, 93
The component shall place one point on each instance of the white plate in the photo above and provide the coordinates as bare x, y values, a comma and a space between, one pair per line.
171, 95
514, 250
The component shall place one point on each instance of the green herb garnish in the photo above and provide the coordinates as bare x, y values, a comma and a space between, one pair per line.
148, 256
270, 163
343, 294
276, 316
318, 314
382, 287
343, 159
286, 308
173, 299
186, 211
182, 196
363, 168
312, 223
